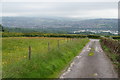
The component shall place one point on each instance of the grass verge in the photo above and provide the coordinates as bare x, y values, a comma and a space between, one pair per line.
114, 57
43, 64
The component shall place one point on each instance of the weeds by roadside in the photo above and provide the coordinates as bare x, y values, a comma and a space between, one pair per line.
114, 57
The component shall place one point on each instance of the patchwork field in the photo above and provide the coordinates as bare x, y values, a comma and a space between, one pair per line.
49, 56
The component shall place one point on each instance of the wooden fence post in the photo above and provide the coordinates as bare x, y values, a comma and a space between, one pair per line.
29, 53
58, 44
70, 39
48, 46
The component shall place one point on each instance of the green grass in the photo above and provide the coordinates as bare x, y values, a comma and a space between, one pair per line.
114, 57
43, 63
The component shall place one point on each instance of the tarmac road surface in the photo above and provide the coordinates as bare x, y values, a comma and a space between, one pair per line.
97, 65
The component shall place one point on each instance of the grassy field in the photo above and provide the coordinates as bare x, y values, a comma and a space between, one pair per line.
45, 62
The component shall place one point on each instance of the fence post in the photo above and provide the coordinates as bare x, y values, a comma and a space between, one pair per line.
58, 44
48, 46
29, 53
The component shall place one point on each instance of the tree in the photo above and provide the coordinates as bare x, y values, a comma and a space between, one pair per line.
1, 28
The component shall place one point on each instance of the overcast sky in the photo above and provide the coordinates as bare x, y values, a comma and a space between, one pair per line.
60, 9
59, 0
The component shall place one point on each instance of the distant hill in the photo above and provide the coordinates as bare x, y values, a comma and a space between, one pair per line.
34, 22
60, 25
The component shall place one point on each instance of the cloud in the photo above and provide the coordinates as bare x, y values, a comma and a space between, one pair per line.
60, 0
61, 9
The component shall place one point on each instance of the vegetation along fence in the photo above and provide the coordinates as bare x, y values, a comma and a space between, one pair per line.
59, 42
113, 45
114, 48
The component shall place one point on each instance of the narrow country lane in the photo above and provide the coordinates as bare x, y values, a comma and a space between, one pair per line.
91, 64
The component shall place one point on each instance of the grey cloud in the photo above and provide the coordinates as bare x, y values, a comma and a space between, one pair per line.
56, 8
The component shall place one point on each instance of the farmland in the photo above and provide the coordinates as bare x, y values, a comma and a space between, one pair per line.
49, 56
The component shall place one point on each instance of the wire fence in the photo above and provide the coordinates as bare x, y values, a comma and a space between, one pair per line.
59, 43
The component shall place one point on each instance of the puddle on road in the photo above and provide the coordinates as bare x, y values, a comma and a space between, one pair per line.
91, 52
